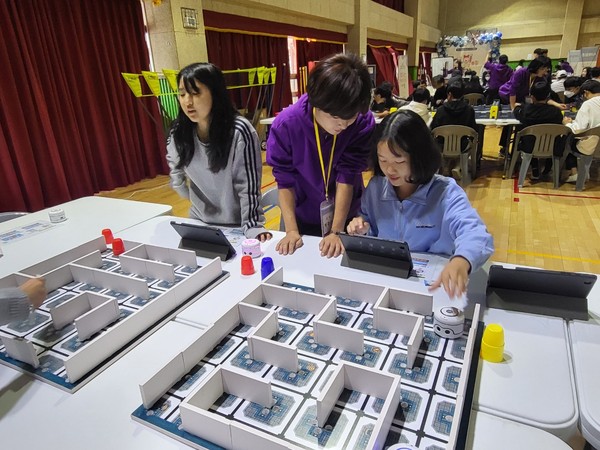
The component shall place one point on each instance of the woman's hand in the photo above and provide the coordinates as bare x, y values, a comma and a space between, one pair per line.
358, 225
331, 246
454, 277
289, 243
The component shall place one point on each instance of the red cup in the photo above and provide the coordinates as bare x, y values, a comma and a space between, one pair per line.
247, 265
117, 246
108, 236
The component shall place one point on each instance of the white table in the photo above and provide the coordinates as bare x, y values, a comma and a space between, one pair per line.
86, 218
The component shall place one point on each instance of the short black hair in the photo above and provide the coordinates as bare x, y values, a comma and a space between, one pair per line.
592, 86
571, 82
540, 91
405, 130
457, 88
595, 72
438, 79
384, 90
340, 85
420, 95
503, 59
539, 63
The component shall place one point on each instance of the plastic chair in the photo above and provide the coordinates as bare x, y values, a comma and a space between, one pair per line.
584, 162
475, 99
452, 148
271, 198
543, 148
6, 216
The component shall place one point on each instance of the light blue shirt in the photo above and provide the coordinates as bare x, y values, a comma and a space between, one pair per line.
437, 218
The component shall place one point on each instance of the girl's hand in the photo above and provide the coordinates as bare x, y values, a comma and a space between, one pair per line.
454, 277
289, 243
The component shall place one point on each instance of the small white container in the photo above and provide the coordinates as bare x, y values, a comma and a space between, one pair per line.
57, 215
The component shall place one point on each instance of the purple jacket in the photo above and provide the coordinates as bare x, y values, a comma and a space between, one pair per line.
499, 74
518, 85
292, 153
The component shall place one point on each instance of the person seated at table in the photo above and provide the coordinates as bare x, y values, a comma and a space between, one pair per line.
421, 98
441, 92
214, 154
537, 113
587, 117
573, 93
472, 83
564, 65
500, 73
382, 100
586, 73
318, 149
558, 85
456, 111
17, 303
407, 200
595, 73
416, 84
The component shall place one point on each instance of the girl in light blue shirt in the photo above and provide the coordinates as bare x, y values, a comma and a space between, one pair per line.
408, 201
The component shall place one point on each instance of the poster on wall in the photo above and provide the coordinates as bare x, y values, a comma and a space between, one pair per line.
472, 58
441, 66
402, 76
589, 56
576, 61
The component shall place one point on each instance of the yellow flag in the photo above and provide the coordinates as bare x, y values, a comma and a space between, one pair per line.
133, 81
251, 76
171, 76
260, 71
273, 71
152, 80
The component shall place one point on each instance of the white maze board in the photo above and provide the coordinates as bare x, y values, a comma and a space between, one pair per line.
297, 367
98, 306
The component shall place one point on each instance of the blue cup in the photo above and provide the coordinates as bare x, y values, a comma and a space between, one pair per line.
266, 267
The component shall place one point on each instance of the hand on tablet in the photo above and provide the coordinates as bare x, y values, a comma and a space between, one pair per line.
358, 225
454, 277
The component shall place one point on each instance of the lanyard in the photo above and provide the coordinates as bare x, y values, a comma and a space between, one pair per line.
318, 139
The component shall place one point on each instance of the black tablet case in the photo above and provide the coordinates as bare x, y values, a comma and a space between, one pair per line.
538, 291
376, 255
208, 242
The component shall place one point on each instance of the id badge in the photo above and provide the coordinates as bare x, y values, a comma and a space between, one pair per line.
326, 211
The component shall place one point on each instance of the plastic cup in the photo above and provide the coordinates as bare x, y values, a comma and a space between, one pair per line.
117, 246
492, 343
247, 265
108, 236
266, 267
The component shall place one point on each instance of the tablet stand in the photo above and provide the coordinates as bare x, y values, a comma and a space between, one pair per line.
206, 249
377, 264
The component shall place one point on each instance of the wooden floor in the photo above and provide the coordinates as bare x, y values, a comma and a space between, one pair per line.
557, 229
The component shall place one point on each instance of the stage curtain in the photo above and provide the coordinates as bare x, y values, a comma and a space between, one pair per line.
315, 50
383, 59
232, 51
70, 124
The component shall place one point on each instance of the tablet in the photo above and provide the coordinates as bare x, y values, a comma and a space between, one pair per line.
539, 291
376, 255
206, 241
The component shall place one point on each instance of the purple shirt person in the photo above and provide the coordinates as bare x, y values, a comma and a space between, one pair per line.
318, 149
516, 90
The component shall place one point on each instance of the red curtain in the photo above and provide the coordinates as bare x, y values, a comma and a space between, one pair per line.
232, 51
383, 58
398, 5
314, 51
70, 125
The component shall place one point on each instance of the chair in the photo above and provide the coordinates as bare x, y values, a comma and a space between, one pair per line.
6, 216
475, 99
453, 135
543, 148
270, 198
584, 162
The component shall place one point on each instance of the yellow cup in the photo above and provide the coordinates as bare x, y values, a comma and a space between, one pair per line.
492, 343
393, 109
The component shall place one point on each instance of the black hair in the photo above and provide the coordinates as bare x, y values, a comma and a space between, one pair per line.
592, 86
521, 62
421, 94
438, 79
503, 59
416, 83
456, 88
222, 117
384, 89
340, 85
540, 91
405, 130
588, 72
595, 72
539, 63
572, 82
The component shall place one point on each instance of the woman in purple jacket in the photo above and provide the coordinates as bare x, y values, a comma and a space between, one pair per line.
318, 149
